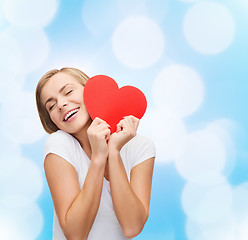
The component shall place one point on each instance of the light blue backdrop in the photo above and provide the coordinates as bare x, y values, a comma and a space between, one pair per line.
190, 59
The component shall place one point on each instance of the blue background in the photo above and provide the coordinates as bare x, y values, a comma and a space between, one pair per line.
73, 42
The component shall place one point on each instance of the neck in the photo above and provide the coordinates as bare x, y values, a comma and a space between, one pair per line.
83, 139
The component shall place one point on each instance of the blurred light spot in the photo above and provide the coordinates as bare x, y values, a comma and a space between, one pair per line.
1, 14
9, 157
232, 226
13, 86
34, 46
190, 1
240, 200
207, 204
224, 128
243, 230
101, 16
138, 42
209, 27
193, 230
242, 3
24, 215
224, 229
155, 9
26, 180
202, 155
10, 60
7, 229
20, 121
178, 89
30, 13
167, 132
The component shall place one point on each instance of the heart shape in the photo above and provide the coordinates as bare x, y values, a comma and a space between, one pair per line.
104, 99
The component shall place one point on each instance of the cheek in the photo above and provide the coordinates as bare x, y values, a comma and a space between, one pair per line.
79, 98
54, 118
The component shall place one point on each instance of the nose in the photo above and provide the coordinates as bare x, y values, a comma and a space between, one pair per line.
61, 105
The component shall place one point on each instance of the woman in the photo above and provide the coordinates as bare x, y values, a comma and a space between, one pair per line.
100, 183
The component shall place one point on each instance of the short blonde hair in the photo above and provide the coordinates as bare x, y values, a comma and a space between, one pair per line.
46, 121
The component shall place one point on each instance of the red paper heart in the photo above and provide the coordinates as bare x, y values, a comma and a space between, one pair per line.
105, 100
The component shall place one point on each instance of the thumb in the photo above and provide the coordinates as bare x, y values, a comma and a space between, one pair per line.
118, 128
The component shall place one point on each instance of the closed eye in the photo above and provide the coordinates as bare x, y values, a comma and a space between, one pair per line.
50, 108
68, 92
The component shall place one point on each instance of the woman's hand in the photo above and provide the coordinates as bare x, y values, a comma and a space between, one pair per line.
98, 134
126, 130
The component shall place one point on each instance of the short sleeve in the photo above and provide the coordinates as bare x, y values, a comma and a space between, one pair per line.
60, 143
142, 148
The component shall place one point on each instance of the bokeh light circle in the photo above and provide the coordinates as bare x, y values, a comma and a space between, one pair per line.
166, 130
207, 204
1, 13
9, 230
192, 230
202, 155
209, 27
189, 1
9, 158
107, 10
11, 59
29, 13
25, 180
138, 42
23, 215
224, 129
233, 224
240, 198
155, 9
34, 46
178, 89
21, 124
225, 228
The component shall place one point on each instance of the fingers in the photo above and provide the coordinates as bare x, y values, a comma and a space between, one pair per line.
99, 128
118, 128
98, 121
136, 122
128, 122
133, 121
126, 130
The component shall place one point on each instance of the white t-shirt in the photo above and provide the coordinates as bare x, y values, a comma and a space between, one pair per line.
106, 225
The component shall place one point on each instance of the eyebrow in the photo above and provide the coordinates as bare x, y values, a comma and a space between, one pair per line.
61, 89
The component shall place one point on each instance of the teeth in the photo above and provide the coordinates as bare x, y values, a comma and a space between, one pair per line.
70, 113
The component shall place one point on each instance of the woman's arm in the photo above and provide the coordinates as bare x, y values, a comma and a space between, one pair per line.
77, 208
131, 200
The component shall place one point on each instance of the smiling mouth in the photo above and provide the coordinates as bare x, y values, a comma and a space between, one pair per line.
70, 114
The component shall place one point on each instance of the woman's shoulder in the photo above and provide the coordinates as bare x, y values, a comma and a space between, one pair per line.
59, 141
59, 133
59, 137
62, 144
139, 140
139, 144
138, 149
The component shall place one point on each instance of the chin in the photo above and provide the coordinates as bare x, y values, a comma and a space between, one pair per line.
79, 126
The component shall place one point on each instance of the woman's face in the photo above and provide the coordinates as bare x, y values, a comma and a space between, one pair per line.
62, 96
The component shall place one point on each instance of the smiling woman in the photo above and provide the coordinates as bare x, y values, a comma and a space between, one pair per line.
61, 95
74, 74
100, 182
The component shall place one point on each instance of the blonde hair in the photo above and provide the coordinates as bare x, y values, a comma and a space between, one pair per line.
46, 121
